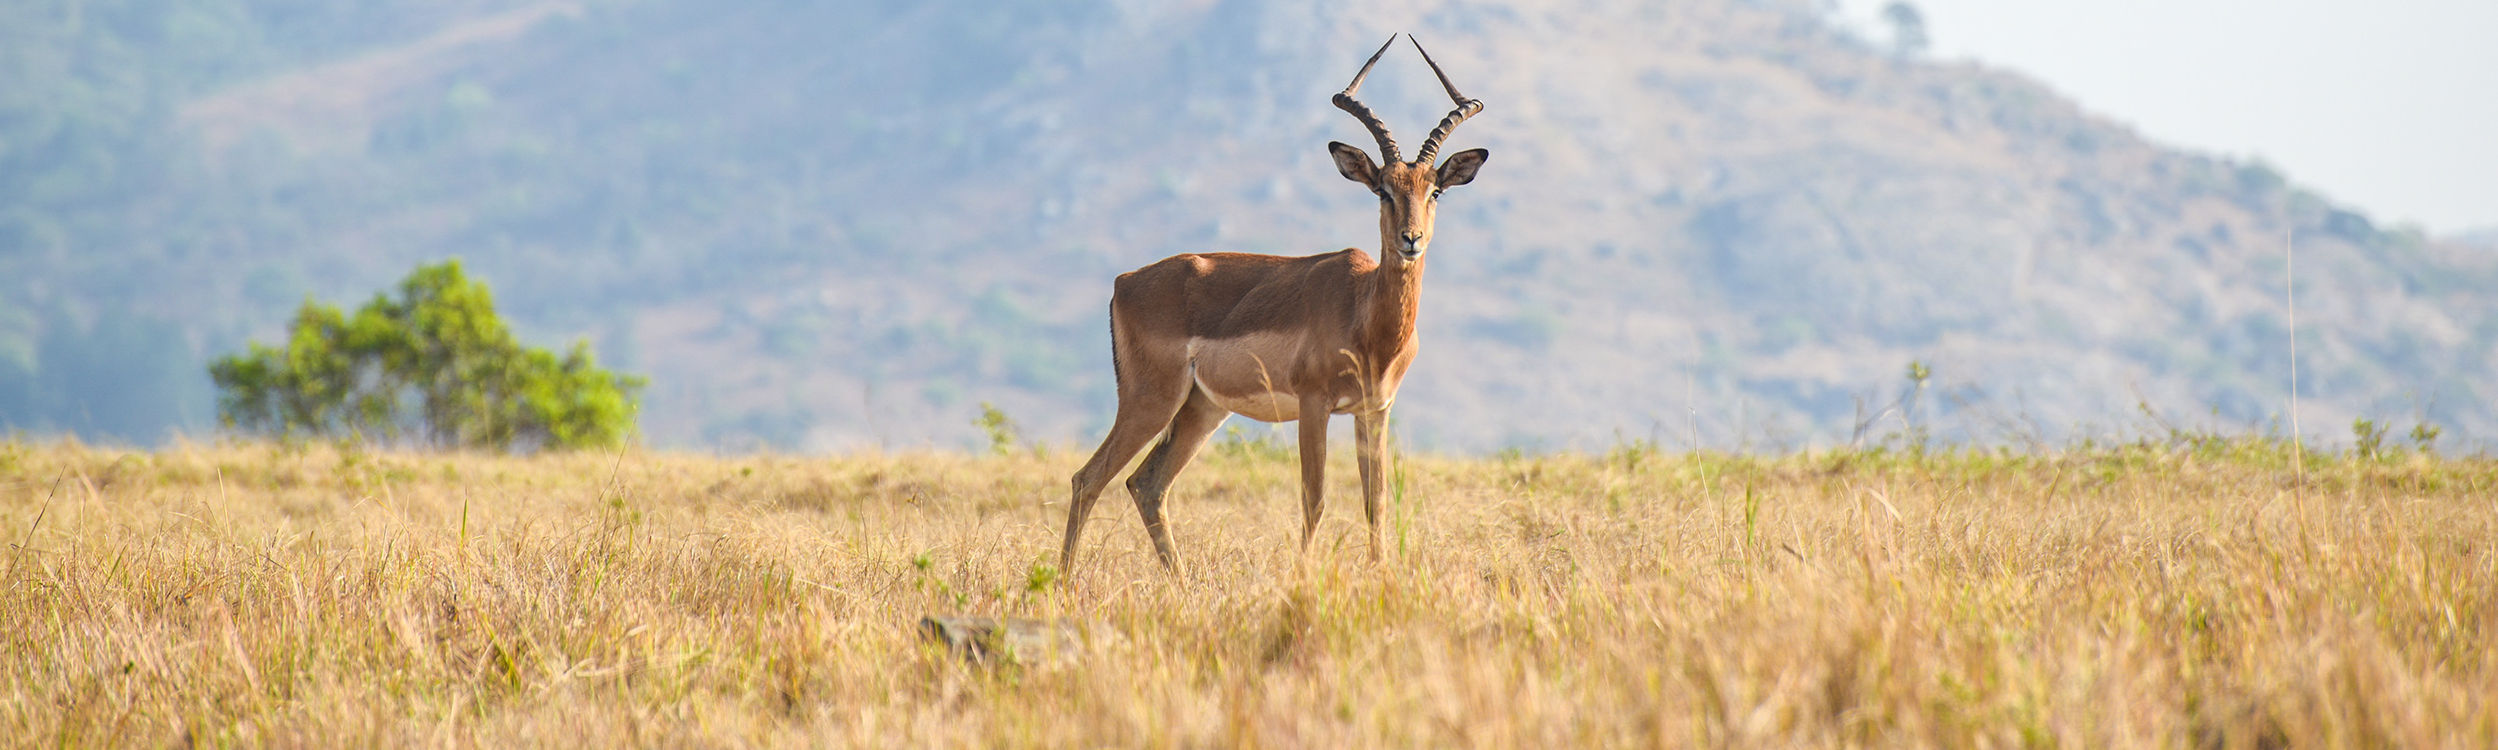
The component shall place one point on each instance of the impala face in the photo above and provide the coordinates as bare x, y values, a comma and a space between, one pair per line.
1409, 193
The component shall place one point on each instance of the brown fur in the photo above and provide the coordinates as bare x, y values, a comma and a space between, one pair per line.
1341, 327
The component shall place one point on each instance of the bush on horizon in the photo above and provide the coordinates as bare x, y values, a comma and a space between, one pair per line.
433, 367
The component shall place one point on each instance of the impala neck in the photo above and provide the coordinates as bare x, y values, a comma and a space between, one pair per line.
1395, 298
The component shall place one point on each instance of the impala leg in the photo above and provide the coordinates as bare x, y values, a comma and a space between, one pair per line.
1313, 429
1197, 419
1142, 415
1370, 446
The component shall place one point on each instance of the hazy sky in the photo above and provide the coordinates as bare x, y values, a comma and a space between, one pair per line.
2391, 106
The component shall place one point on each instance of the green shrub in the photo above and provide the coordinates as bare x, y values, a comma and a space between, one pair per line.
434, 366
1003, 434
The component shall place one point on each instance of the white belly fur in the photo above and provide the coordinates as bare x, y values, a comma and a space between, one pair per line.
1247, 375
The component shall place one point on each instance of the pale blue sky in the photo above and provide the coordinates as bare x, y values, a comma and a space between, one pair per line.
2391, 106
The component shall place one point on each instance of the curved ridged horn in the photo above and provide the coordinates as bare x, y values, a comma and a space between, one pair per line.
1465, 107
1344, 101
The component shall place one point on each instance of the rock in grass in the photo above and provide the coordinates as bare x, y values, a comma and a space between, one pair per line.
1007, 640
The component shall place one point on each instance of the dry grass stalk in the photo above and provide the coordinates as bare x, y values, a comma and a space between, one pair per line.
2144, 596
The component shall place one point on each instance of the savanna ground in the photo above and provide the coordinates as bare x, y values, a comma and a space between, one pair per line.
2177, 593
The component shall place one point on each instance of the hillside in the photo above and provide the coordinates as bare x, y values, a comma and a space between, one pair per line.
826, 227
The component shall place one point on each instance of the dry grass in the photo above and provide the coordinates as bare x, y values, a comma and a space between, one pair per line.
2144, 596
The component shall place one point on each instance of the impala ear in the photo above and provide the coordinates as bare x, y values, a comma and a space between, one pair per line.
1354, 164
1460, 167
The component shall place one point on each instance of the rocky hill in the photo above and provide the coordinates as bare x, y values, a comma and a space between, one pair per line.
1722, 221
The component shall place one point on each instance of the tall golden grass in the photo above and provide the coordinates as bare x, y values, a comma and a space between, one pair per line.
2155, 595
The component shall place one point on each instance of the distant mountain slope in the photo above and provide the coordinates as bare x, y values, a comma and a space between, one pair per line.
817, 227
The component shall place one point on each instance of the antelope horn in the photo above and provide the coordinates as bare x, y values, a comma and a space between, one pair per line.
1465, 107
1344, 101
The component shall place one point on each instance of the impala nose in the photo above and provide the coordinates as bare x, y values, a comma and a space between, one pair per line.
1413, 245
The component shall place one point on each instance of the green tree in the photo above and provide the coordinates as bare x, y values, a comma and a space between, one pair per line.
433, 366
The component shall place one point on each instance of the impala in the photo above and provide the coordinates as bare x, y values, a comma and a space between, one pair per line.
1200, 336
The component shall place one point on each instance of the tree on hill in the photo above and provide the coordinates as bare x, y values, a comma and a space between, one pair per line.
1908, 28
434, 366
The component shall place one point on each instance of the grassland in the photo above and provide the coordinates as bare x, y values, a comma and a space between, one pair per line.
2165, 595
